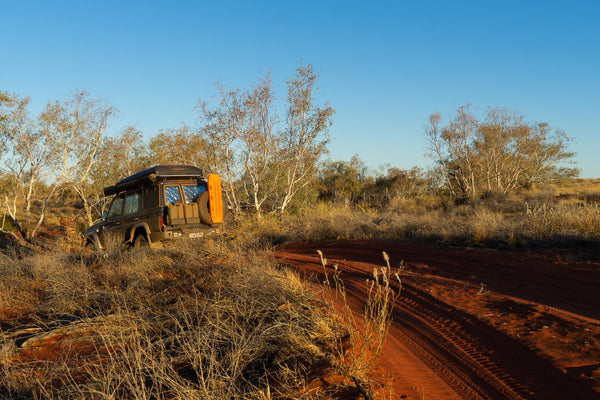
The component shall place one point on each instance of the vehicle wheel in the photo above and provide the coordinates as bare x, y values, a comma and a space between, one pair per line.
89, 248
140, 242
203, 208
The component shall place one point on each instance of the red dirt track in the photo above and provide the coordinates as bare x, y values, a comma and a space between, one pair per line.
476, 324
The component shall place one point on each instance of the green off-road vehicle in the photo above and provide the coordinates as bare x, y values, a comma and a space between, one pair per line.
161, 203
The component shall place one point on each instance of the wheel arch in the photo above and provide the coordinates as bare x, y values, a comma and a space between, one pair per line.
141, 228
93, 239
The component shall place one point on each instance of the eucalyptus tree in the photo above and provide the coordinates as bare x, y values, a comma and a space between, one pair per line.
266, 162
180, 146
260, 144
306, 134
222, 127
120, 155
26, 164
500, 152
77, 126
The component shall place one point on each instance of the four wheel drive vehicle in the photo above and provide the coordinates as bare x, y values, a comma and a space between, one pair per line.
160, 203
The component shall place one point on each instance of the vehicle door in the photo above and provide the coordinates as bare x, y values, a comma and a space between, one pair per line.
110, 234
174, 204
131, 214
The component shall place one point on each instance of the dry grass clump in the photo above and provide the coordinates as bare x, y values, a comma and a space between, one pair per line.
511, 224
360, 348
566, 222
159, 324
321, 222
367, 339
417, 204
324, 222
540, 217
580, 190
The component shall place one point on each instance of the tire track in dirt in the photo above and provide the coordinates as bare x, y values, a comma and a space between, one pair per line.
474, 360
545, 277
432, 329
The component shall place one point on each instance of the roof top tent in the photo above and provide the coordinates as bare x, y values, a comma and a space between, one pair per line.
153, 174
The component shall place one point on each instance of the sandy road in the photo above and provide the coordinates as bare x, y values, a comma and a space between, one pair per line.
477, 324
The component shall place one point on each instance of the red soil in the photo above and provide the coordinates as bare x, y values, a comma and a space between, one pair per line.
476, 324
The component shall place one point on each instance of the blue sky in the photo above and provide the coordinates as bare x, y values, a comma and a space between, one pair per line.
385, 66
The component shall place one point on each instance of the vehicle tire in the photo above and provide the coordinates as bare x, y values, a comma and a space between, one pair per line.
203, 210
140, 242
89, 248
225, 206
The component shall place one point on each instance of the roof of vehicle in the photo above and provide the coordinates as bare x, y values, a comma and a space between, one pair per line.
153, 174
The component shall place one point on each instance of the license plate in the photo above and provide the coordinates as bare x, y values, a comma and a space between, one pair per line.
195, 235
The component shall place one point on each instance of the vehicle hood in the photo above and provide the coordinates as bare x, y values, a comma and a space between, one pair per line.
94, 228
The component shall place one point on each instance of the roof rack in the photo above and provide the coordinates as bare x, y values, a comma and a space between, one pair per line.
152, 174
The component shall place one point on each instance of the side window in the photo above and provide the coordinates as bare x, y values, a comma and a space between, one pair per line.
132, 203
172, 194
150, 198
191, 192
116, 208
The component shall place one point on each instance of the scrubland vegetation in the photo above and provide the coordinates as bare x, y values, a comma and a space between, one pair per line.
220, 319
273, 162
551, 216
172, 323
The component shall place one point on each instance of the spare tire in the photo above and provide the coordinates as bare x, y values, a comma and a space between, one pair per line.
203, 210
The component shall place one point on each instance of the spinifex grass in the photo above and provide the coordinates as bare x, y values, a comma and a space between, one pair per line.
159, 324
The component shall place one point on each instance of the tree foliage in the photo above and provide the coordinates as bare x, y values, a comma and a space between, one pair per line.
222, 129
265, 164
268, 161
177, 146
77, 126
5, 100
264, 160
26, 165
43, 156
499, 152
306, 135
350, 182
342, 181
